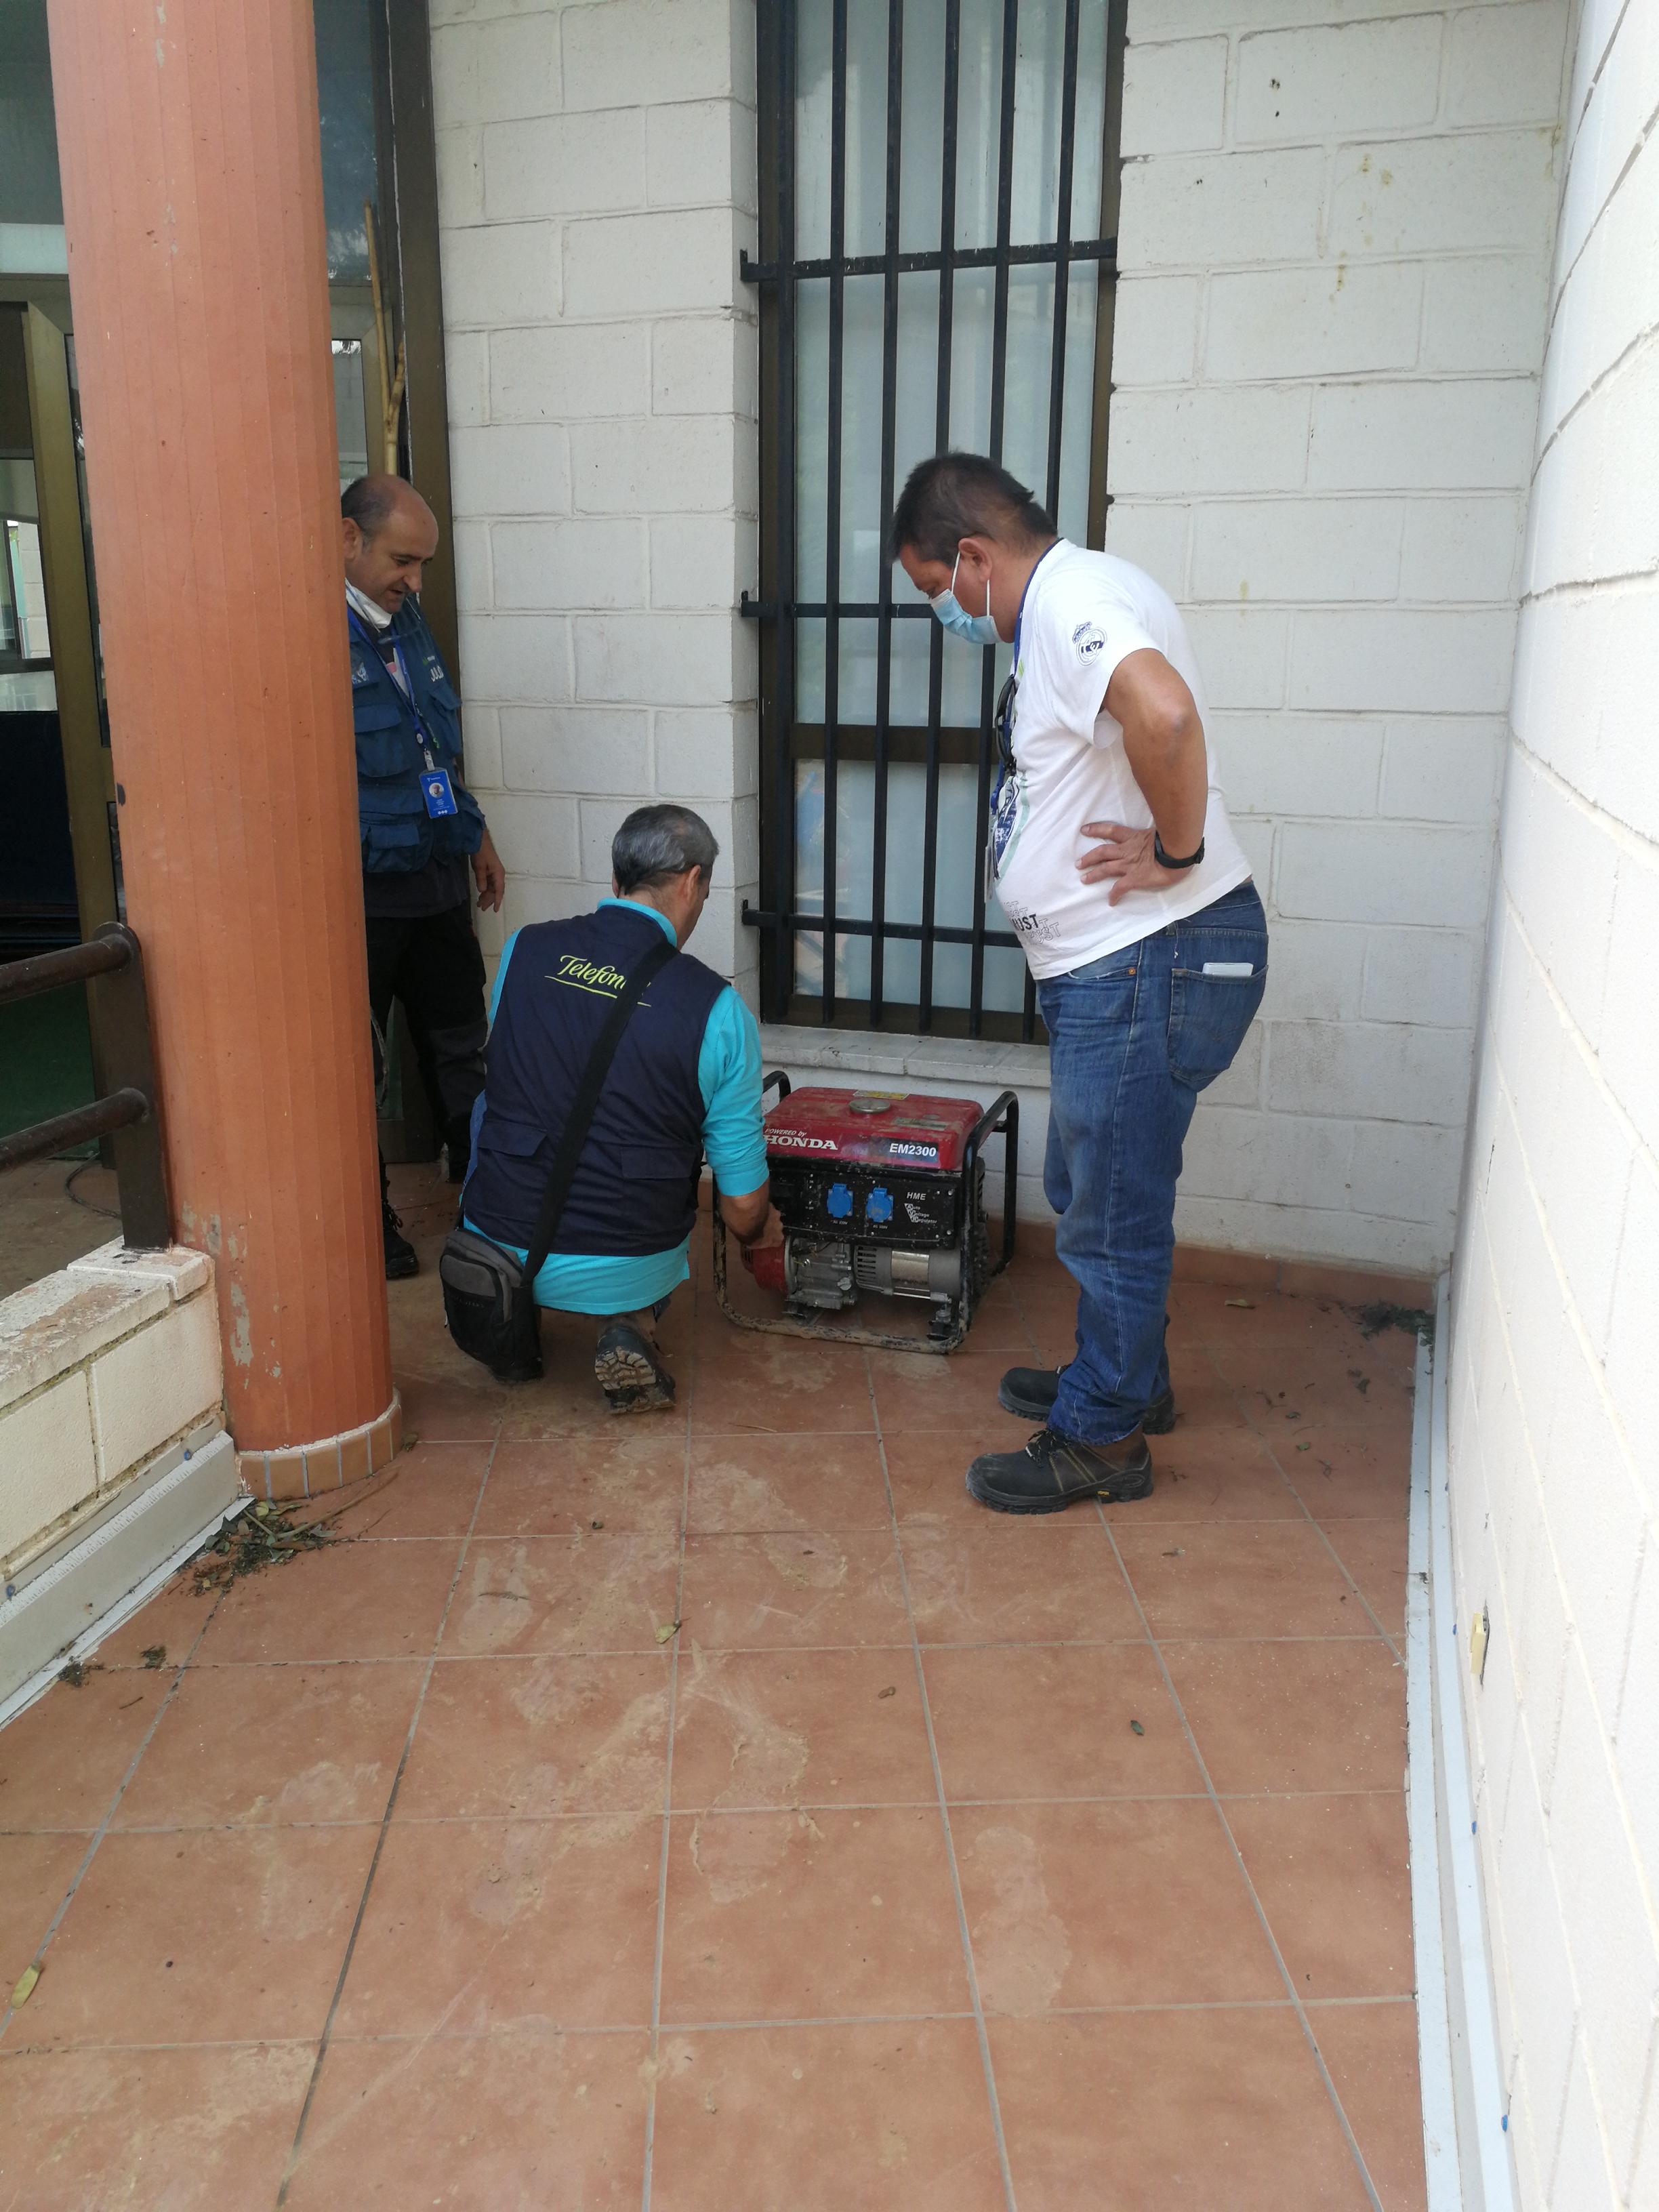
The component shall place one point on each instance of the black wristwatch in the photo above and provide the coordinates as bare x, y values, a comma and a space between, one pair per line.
1164, 859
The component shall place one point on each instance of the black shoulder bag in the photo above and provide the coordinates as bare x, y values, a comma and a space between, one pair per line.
489, 1298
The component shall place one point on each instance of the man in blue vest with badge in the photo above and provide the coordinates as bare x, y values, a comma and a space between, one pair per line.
421, 830
683, 1085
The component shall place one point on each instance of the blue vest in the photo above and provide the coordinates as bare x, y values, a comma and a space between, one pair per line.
636, 1189
399, 837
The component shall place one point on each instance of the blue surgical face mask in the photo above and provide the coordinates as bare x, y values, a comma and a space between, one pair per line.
978, 630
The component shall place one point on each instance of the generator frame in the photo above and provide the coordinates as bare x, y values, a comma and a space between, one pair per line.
1002, 1114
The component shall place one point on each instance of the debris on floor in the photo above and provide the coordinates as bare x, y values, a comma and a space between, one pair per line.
264, 1536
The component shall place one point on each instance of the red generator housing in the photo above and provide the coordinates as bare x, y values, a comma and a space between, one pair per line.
879, 1192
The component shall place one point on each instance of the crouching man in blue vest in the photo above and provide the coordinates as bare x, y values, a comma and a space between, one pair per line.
686, 1083
422, 831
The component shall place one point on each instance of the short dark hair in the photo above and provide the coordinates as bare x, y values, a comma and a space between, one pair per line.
657, 843
367, 502
957, 495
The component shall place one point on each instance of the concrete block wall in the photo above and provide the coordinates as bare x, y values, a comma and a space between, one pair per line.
1554, 1400
1334, 252
103, 1365
596, 181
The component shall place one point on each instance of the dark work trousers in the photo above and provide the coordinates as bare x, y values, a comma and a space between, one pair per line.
433, 963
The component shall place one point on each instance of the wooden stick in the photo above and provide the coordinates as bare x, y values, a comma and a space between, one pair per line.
391, 392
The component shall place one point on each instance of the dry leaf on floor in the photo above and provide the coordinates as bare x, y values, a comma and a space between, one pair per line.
156, 1654
891, 1691
1248, 1304
1137, 1728
23, 1989
669, 1630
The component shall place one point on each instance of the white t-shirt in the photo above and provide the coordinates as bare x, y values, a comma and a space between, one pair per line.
1084, 612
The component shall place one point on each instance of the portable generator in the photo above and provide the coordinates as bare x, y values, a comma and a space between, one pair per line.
883, 1192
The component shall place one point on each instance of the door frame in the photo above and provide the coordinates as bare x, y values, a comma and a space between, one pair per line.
89, 774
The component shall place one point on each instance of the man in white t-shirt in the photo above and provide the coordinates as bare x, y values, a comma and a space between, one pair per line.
1112, 856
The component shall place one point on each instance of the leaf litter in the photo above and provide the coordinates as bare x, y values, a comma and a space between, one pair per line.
249, 1542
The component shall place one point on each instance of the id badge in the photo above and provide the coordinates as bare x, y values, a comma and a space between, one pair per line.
436, 790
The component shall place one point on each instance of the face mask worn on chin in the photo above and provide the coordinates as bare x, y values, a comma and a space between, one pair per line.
978, 630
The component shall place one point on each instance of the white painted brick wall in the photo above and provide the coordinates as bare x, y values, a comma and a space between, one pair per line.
1329, 335
596, 181
1555, 1351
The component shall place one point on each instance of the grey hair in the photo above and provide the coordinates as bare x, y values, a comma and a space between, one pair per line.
659, 843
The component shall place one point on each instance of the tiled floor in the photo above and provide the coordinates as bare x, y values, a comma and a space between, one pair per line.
935, 1860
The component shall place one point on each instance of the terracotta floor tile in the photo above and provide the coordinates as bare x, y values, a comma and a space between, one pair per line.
63, 1760
35, 1873
1136, 1903
847, 2118
927, 1472
1005, 1580
540, 1736
1323, 1353
210, 1936
1332, 1876
476, 2123
583, 1593
172, 1621
1374, 1553
429, 1490
528, 1925
1384, 1415
782, 1728
439, 1411
175, 2130
1348, 1474
569, 1402
1221, 2109
1205, 1405
1233, 1313
1371, 2051
350, 1601
791, 1590
958, 1394
797, 1916
628, 1479
1238, 1578
1211, 1474
1294, 1716
257, 1745
1334, 1391
750, 1483
1053, 1721
780, 1383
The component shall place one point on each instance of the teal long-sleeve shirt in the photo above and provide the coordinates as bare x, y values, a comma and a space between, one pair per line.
729, 1077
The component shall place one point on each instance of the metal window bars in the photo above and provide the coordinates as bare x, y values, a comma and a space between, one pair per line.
785, 277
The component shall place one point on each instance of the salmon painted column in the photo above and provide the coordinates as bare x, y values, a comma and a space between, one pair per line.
193, 199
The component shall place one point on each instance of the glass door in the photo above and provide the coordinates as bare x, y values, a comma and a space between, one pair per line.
57, 866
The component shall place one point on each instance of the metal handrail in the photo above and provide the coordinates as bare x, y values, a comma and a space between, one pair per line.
110, 963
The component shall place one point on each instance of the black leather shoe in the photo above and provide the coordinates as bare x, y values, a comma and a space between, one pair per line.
1030, 1392
1052, 1473
402, 1260
627, 1369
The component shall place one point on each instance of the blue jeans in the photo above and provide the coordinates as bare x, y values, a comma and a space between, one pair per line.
1133, 1038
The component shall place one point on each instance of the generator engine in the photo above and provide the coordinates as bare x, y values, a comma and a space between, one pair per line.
882, 1191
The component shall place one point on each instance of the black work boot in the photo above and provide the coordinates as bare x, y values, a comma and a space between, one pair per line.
1052, 1473
627, 1369
401, 1258
1030, 1392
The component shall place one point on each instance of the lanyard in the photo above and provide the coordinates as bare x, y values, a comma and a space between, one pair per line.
370, 638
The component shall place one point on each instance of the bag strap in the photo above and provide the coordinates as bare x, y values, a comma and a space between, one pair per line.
583, 1106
